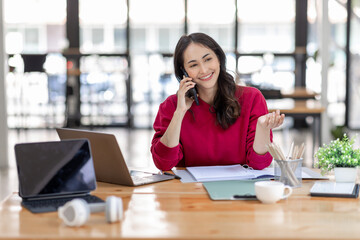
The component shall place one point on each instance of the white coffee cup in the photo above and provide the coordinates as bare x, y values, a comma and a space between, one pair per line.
271, 191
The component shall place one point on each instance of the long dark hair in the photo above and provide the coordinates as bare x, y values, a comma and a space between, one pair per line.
226, 106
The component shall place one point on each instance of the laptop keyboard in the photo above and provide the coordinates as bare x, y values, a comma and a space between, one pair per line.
137, 179
150, 179
51, 205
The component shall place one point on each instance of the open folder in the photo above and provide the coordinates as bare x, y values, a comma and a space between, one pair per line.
226, 172
230, 172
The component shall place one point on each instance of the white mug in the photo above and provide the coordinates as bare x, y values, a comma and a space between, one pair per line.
271, 191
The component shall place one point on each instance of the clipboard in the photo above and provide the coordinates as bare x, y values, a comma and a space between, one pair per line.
231, 190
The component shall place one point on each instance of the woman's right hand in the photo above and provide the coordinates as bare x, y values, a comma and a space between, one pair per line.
172, 134
184, 102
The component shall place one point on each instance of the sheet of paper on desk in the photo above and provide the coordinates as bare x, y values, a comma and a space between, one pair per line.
186, 177
216, 173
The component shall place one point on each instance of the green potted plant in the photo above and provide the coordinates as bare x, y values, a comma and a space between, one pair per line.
341, 156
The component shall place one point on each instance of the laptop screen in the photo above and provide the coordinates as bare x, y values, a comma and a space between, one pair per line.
54, 168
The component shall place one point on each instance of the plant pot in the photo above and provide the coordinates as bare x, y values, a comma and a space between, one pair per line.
343, 174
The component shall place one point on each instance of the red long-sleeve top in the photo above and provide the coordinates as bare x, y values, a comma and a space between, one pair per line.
205, 143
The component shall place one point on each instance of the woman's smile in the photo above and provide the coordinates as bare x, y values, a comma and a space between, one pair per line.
207, 77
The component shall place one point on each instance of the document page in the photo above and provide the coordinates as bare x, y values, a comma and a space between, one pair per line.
217, 173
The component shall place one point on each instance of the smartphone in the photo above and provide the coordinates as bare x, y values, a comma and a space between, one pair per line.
192, 93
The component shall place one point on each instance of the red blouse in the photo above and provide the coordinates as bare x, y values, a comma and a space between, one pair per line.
205, 143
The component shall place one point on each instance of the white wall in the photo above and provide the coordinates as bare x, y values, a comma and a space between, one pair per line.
4, 162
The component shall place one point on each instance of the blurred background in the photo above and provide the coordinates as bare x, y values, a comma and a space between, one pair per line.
100, 64
119, 54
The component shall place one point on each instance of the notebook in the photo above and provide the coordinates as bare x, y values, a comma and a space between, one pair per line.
110, 165
52, 173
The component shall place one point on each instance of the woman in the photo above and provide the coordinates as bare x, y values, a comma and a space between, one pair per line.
231, 124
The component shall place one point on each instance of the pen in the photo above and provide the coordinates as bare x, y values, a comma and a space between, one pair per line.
246, 196
170, 174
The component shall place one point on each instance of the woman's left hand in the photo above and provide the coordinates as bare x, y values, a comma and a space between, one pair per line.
271, 120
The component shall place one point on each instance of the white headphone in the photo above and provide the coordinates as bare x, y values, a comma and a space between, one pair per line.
76, 212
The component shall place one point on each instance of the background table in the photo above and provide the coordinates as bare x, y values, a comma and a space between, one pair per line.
301, 109
299, 93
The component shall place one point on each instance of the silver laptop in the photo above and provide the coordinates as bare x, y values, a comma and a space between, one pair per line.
109, 163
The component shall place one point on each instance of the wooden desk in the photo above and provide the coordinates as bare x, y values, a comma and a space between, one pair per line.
175, 210
300, 109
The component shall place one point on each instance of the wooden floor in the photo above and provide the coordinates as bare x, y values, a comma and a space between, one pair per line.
135, 145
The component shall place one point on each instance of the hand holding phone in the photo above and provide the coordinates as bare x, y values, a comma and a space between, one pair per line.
192, 92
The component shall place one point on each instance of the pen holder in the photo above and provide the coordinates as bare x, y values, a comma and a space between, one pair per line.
289, 172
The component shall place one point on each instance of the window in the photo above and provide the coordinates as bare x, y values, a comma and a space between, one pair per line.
97, 36
215, 18
34, 28
120, 39
102, 26
266, 26
155, 29
33, 24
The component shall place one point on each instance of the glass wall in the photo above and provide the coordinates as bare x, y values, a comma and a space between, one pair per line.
265, 29
216, 18
266, 26
127, 76
104, 63
153, 36
38, 26
103, 90
34, 34
102, 26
